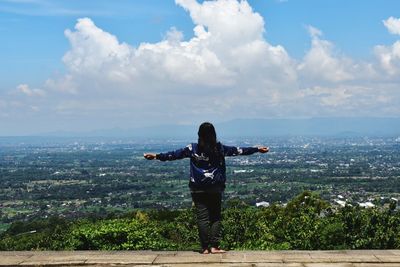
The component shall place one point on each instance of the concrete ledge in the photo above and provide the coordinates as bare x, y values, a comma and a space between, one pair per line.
341, 258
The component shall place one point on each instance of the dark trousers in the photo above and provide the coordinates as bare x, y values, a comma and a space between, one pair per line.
208, 213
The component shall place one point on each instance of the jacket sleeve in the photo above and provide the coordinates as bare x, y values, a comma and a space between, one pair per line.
174, 155
235, 151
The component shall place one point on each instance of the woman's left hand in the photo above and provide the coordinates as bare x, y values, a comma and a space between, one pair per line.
149, 156
263, 149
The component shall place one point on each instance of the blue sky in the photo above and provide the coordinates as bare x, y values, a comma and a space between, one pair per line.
349, 34
33, 39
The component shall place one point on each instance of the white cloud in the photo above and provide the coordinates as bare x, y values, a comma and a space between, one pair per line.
174, 36
350, 100
393, 25
322, 64
24, 89
97, 55
218, 71
92, 49
226, 70
64, 84
227, 52
314, 32
329, 96
226, 20
389, 57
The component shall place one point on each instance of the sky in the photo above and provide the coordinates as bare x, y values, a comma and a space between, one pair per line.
70, 65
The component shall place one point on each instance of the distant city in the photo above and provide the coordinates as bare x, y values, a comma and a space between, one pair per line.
75, 177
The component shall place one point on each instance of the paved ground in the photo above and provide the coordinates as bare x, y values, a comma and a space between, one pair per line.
342, 258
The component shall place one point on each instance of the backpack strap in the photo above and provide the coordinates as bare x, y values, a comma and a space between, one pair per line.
194, 148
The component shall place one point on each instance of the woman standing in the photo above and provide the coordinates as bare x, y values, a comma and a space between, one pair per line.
207, 180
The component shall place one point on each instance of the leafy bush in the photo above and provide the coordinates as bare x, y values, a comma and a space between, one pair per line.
306, 222
118, 234
38, 234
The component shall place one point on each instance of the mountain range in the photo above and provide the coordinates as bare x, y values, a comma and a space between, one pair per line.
258, 128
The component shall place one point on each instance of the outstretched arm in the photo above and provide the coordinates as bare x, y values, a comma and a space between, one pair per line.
172, 155
235, 151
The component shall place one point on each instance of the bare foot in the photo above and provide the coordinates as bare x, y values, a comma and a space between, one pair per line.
217, 250
206, 251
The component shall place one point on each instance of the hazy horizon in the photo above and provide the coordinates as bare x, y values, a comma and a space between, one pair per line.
243, 128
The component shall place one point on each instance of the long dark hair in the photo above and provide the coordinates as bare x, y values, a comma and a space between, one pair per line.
208, 143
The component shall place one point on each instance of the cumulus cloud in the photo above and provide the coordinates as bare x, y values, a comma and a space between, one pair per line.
227, 43
322, 63
98, 56
389, 56
333, 84
227, 56
393, 25
227, 20
226, 70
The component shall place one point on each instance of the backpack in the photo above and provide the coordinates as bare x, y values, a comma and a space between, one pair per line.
202, 174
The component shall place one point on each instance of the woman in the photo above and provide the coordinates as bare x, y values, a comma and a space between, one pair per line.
207, 180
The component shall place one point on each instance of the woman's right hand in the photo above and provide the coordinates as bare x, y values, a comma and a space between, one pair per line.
263, 149
149, 156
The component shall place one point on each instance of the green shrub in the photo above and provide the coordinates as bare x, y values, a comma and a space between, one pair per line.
43, 234
118, 234
307, 222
